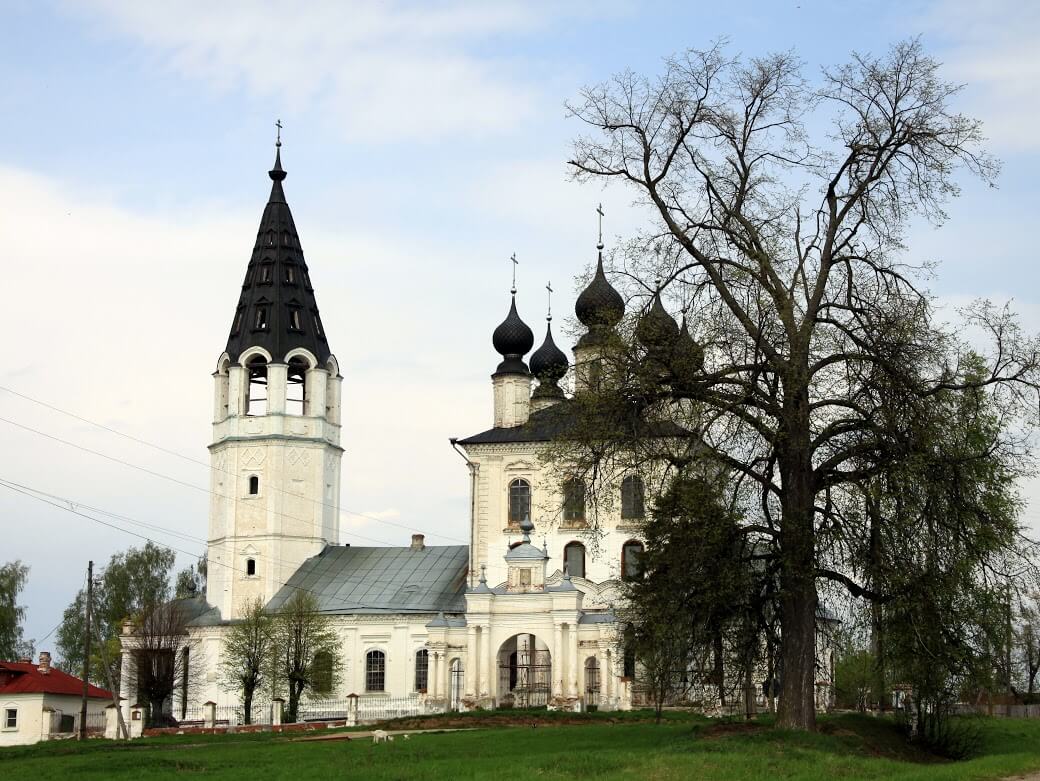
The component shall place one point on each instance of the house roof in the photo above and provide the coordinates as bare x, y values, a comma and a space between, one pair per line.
352, 580
26, 678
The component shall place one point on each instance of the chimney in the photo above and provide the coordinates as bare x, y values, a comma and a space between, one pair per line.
45, 662
418, 541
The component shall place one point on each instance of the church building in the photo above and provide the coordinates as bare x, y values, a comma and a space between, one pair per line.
522, 615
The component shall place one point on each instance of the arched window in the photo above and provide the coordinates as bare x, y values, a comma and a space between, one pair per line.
254, 485
422, 669
631, 560
256, 389
632, 491
519, 500
296, 387
375, 671
574, 559
574, 501
321, 673
250, 567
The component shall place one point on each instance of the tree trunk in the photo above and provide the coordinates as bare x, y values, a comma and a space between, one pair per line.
294, 700
720, 669
247, 705
797, 570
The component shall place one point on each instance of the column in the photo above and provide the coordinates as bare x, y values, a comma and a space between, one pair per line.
472, 661
434, 674
491, 668
127, 696
572, 658
557, 661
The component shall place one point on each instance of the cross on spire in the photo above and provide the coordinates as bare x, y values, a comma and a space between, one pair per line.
278, 139
599, 211
548, 315
515, 264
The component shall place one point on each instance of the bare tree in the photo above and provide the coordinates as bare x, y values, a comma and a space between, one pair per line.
780, 209
245, 659
160, 652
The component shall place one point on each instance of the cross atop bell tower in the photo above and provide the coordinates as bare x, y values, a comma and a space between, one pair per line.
276, 422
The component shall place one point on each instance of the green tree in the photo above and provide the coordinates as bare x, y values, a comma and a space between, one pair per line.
132, 581
782, 240
13, 576
191, 581
245, 658
306, 649
695, 598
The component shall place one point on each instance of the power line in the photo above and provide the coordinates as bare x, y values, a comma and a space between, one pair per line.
69, 505
160, 475
196, 461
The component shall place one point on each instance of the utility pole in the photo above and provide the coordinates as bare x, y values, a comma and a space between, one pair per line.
86, 653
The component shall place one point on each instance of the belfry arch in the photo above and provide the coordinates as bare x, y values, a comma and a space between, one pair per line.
524, 672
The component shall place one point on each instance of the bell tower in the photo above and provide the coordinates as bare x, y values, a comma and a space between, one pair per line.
275, 455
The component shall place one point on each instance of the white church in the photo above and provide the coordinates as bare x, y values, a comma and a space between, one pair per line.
521, 616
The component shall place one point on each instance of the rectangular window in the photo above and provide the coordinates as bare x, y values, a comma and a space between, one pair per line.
261, 318
525, 577
10, 718
294, 319
265, 274
290, 275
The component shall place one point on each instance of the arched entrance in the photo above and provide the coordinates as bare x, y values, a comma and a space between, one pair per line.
592, 683
524, 673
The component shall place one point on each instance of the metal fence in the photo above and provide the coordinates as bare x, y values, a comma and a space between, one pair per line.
227, 715
368, 709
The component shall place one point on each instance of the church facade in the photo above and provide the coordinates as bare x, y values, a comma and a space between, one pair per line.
522, 615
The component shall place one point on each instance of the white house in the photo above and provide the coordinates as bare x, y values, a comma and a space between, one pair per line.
39, 702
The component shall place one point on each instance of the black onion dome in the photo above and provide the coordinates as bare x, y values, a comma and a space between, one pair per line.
656, 329
548, 364
688, 356
599, 306
513, 339
276, 307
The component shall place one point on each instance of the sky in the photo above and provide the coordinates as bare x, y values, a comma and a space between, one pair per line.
424, 143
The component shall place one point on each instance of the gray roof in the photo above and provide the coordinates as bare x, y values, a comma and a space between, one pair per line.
348, 580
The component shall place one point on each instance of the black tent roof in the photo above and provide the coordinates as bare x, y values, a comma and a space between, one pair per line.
277, 310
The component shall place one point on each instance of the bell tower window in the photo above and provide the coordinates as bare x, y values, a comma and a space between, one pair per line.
251, 567
296, 387
290, 275
260, 320
254, 485
256, 390
265, 274
295, 320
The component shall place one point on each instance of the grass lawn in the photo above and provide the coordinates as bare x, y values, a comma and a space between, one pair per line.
599, 746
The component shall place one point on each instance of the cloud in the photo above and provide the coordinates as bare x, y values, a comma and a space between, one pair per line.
991, 47
381, 70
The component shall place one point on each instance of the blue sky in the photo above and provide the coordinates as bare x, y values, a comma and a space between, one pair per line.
425, 143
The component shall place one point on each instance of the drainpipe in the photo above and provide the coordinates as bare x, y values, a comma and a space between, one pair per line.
472, 504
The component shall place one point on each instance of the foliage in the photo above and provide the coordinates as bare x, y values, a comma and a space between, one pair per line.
13, 576
306, 650
132, 581
819, 375
191, 581
854, 675
695, 600
245, 657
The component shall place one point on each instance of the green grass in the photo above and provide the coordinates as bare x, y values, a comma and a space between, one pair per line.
602, 747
